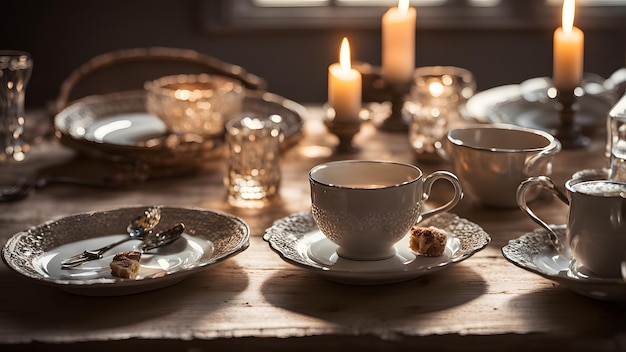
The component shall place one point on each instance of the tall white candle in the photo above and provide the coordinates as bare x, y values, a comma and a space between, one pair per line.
398, 40
568, 51
344, 87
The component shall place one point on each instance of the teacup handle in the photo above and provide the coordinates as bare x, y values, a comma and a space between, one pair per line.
545, 182
554, 148
428, 184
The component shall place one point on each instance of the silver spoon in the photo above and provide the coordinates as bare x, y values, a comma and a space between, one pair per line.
137, 229
160, 239
151, 241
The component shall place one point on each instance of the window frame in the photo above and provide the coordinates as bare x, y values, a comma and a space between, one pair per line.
233, 16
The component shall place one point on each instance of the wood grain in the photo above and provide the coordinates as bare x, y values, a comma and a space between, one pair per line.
257, 301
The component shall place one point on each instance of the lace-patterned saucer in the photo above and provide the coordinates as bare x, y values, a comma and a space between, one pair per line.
298, 241
534, 252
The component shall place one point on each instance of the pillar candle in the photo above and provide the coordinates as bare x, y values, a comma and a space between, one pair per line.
398, 40
344, 87
568, 51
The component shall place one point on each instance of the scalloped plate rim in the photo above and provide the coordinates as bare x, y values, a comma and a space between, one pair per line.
92, 287
365, 278
572, 283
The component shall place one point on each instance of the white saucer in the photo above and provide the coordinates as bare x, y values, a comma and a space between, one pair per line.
534, 252
298, 241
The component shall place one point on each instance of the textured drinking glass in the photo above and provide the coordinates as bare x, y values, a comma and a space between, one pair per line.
437, 99
454, 85
254, 161
195, 104
616, 141
15, 71
427, 128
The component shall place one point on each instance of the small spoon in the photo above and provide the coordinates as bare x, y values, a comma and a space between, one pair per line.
143, 224
151, 241
137, 229
165, 237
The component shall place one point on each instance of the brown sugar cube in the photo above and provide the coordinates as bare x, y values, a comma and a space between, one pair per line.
428, 241
125, 265
132, 255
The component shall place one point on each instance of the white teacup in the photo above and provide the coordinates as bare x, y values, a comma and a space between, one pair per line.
596, 223
365, 207
492, 160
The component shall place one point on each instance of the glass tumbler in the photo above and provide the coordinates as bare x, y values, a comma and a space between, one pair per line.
195, 104
616, 141
443, 86
15, 71
254, 161
437, 98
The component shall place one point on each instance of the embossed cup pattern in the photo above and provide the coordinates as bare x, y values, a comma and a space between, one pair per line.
368, 235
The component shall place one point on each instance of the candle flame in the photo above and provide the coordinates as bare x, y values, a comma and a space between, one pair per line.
403, 6
344, 55
567, 21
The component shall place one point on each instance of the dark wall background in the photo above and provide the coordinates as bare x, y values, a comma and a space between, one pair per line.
63, 34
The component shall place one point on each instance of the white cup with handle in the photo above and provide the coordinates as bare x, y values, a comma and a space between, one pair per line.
492, 160
366, 206
596, 224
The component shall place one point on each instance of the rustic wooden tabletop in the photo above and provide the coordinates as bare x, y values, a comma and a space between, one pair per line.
256, 300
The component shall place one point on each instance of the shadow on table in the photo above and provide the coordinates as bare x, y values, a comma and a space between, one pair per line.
560, 310
30, 306
310, 294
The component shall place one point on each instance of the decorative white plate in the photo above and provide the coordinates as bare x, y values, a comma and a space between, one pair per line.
298, 241
126, 129
116, 127
534, 252
209, 238
480, 105
528, 105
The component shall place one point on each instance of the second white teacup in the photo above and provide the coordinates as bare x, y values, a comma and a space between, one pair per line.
492, 160
365, 207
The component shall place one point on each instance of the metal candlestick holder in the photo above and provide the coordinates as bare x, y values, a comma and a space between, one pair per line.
344, 130
376, 89
397, 120
572, 115
568, 133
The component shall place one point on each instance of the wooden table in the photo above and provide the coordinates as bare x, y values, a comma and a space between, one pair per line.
256, 301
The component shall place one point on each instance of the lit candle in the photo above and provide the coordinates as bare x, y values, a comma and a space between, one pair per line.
398, 40
344, 87
568, 51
